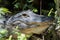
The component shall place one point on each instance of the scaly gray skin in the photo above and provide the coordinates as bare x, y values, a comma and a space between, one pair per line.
24, 18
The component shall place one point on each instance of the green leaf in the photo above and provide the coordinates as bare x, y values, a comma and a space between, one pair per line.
22, 37
4, 10
17, 5
3, 31
10, 37
50, 12
35, 10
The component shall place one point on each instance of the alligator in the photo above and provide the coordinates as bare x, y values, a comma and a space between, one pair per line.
29, 22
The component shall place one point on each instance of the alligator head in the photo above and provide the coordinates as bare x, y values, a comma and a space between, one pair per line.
28, 20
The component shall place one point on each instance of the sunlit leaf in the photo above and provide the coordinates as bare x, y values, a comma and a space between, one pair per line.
22, 37
35, 10
10, 37
55, 13
4, 10
3, 31
50, 12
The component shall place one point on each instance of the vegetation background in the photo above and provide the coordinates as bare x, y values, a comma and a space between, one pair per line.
41, 7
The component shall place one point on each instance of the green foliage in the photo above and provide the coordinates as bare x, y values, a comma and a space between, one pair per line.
3, 33
4, 10
35, 10
49, 14
56, 14
58, 21
17, 5
23, 5
10, 37
20, 36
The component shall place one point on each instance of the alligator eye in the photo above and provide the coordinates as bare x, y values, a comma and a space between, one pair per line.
13, 24
25, 15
